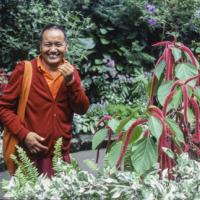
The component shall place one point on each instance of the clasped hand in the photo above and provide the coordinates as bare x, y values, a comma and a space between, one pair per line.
67, 70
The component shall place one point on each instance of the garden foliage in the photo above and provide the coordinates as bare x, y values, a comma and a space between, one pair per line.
72, 183
169, 126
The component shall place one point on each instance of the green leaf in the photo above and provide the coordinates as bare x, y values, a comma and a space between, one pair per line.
114, 153
169, 152
99, 137
103, 31
91, 164
176, 99
177, 53
191, 117
197, 93
88, 43
123, 122
183, 71
127, 126
137, 131
144, 155
98, 61
175, 129
197, 50
155, 127
159, 69
163, 91
104, 41
113, 124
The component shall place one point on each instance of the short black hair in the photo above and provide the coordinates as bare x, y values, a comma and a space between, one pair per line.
53, 26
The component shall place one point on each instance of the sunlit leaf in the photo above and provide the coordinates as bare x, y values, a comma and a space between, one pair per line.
183, 71
113, 124
169, 152
99, 137
177, 53
114, 153
144, 155
175, 129
159, 69
163, 91
155, 127
88, 43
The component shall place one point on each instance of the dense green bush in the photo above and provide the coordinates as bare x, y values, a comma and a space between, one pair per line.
72, 183
23, 22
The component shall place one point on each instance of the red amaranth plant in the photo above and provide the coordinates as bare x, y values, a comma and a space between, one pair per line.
172, 125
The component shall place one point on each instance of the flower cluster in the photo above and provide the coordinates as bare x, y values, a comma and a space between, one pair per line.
151, 10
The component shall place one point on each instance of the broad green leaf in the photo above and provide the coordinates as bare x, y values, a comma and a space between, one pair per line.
177, 53
197, 50
159, 69
123, 122
155, 127
99, 137
98, 61
144, 155
169, 152
137, 132
197, 93
191, 117
176, 99
88, 43
175, 129
127, 126
113, 124
183, 71
163, 91
103, 31
114, 153
104, 41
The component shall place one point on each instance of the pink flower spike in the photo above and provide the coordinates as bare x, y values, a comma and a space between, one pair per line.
186, 147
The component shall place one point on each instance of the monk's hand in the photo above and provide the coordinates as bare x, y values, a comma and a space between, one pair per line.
34, 143
68, 71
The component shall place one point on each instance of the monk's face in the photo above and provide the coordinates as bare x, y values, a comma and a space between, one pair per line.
53, 47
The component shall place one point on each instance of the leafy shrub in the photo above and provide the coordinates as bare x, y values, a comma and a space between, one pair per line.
169, 124
24, 21
73, 183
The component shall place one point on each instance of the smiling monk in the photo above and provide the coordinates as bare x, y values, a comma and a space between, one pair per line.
55, 95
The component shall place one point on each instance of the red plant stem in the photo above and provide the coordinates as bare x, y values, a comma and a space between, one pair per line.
191, 78
146, 133
128, 136
166, 58
196, 110
97, 156
120, 136
167, 100
170, 62
186, 49
104, 118
153, 85
109, 138
175, 84
155, 109
185, 103
164, 43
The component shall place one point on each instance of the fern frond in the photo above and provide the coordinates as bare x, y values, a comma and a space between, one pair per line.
57, 158
26, 168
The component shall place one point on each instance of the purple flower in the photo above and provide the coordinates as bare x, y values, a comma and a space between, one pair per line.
109, 62
152, 22
150, 8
